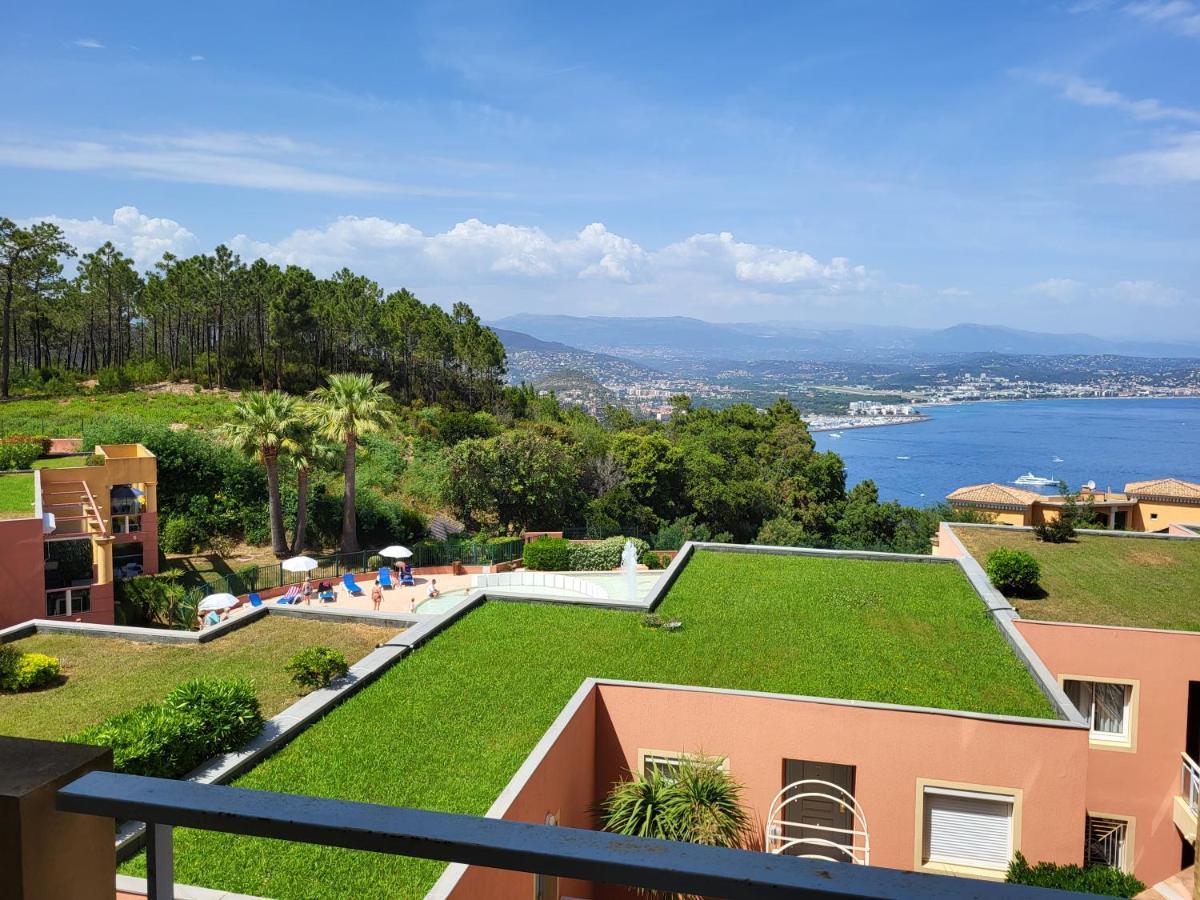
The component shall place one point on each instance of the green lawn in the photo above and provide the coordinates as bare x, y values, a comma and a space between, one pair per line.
16, 495
1105, 580
67, 416
446, 728
108, 676
61, 462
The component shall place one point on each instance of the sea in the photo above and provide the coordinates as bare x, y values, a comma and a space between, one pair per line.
1106, 441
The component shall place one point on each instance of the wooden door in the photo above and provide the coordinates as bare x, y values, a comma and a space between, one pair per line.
819, 811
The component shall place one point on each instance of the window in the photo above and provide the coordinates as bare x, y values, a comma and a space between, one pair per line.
667, 762
1106, 842
68, 602
967, 829
1107, 706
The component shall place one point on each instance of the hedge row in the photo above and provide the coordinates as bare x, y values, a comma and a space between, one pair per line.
19, 452
1103, 880
196, 721
548, 554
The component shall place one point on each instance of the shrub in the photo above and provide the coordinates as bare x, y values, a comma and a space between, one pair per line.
8, 662
19, 453
699, 802
315, 667
603, 555
1058, 531
180, 535
1103, 880
33, 671
26, 671
547, 554
652, 560
1013, 571
114, 380
195, 722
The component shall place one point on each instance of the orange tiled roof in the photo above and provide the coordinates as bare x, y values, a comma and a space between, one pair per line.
1165, 487
995, 494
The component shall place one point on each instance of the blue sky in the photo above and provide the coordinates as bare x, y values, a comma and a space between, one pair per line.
1030, 164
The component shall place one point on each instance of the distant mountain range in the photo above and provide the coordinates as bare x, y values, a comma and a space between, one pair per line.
645, 339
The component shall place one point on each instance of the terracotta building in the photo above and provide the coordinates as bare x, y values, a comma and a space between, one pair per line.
88, 525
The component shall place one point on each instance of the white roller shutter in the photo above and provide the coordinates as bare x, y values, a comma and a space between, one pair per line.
968, 828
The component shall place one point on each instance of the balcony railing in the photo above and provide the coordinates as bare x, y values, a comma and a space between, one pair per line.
1190, 784
68, 601
126, 524
495, 843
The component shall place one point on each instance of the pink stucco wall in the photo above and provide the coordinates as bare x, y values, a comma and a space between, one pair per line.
891, 749
1142, 783
22, 573
561, 785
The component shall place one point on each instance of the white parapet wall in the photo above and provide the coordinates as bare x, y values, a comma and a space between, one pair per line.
553, 581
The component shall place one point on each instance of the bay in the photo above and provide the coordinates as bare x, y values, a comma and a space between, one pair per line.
1107, 441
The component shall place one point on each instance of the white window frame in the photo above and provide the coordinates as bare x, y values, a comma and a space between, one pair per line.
1126, 738
670, 759
1011, 797
1125, 828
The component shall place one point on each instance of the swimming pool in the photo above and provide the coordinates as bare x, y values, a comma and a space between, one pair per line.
613, 588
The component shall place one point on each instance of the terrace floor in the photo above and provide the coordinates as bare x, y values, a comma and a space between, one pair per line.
1101, 580
106, 675
448, 726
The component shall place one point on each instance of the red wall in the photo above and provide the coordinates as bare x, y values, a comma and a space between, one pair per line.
22, 573
561, 785
890, 748
1142, 783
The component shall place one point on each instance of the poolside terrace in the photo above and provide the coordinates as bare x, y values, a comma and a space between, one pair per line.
447, 726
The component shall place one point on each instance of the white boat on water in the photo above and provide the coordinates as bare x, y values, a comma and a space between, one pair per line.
1057, 459
1031, 480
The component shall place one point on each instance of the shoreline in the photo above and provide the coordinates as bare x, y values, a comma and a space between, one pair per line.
890, 421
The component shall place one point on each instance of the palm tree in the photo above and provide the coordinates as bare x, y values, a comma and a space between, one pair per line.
695, 801
347, 408
264, 425
307, 452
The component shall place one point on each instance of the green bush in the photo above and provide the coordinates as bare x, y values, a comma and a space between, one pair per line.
33, 671
114, 380
603, 555
26, 671
19, 453
315, 667
8, 662
1013, 571
1103, 880
179, 534
195, 722
547, 554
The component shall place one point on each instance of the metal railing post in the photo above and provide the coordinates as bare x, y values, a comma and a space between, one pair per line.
160, 862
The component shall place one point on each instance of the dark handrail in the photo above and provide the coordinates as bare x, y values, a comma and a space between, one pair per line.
502, 844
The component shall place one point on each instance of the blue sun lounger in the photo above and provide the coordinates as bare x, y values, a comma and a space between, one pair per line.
385, 578
351, 586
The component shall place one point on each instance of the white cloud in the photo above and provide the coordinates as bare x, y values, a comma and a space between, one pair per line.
1061, 289
474, 256
141, 237
1146, 293
88, 43
954, 292
1095, 94
196, 57
1180, 16
1177, 159
267, 162
755, 264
